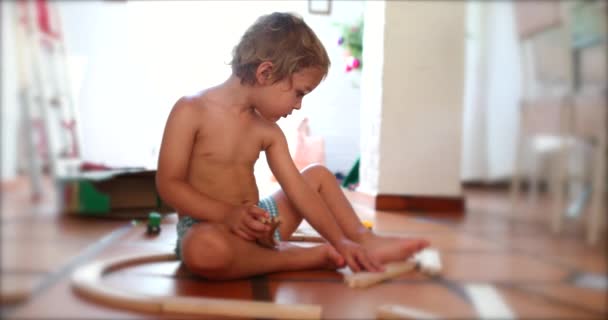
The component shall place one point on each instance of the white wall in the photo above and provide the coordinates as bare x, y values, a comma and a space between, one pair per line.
474, 136
95, 33
503, 91
371, 96
10, 115
422, 96
493, 92
334, 107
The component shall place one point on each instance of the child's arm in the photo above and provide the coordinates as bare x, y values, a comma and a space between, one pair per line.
310, 204
172, 185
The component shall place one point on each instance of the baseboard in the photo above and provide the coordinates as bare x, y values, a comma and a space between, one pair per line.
502, 184
441, 204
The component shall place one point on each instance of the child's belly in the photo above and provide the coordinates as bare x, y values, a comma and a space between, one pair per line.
232, 184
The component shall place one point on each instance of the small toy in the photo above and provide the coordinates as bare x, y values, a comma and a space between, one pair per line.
428, 261
269, 241
153, 223
368, 224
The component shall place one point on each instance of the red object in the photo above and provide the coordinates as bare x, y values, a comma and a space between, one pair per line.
43, 16
44, 19
71, 127
353, 62
91, 166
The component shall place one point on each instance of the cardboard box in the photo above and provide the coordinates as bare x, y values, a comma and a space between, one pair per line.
124, 193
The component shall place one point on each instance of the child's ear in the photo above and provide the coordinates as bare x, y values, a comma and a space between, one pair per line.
263, 73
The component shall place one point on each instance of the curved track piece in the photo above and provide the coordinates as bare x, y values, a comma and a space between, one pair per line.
87, 281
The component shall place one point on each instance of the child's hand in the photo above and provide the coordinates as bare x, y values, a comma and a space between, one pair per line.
244, 222
357, 258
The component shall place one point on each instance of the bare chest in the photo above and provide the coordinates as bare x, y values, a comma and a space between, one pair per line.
227, 144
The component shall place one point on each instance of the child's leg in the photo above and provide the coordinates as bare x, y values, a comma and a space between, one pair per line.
324, 182
212, 251
319, 178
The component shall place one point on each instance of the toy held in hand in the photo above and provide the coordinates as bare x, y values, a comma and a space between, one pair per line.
269, 240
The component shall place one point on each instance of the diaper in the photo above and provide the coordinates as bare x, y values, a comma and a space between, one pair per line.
186, 222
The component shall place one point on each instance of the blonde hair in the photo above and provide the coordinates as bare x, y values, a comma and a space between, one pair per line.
283, 39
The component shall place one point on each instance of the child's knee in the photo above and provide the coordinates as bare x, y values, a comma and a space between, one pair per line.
318, 172
206, 249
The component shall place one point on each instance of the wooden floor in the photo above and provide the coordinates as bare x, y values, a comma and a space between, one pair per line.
490, 249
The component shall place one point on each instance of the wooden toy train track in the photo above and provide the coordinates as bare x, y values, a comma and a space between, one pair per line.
87, 281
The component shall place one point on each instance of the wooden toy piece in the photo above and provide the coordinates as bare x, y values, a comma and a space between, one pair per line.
428, 261
87, 281
306, 234
297, 236
239, 308
392, 270
269, 241
393, 311
16, 288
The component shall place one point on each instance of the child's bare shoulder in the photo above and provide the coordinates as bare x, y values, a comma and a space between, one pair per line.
192, 103
271, 133
191, 108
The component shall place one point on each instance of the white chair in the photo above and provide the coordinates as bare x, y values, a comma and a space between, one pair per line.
542, 146
590, 128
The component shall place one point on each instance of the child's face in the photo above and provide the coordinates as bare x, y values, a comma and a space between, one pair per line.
278, 100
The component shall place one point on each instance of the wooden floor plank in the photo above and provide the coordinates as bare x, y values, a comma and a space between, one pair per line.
529, 305
500, 267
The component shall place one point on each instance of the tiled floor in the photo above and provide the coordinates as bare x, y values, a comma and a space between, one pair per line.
536, 274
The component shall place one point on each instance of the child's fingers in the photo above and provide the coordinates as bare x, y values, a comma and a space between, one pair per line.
379, 267
258, 212
372, 263
352, 263
367, 264
256, 225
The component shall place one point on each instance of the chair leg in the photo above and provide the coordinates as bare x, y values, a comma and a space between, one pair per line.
516, 179
557, 191
595, 223
534, 181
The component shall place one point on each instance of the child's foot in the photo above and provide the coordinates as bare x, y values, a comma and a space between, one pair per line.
391, 249
318, 257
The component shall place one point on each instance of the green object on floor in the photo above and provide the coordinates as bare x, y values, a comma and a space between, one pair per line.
154, 219
353, 175
153, 223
